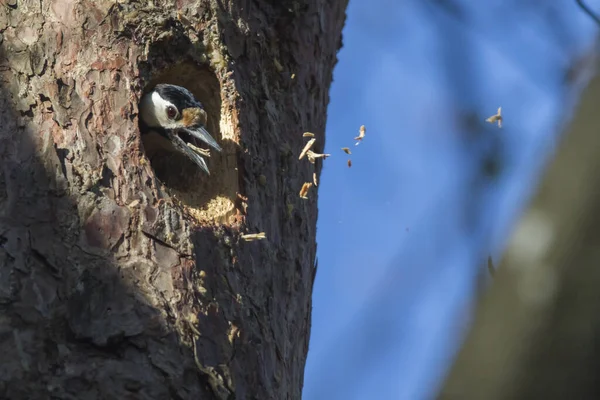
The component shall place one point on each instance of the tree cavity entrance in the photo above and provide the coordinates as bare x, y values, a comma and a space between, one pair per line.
208, 198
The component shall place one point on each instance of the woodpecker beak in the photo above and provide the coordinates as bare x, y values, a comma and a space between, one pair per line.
194, 120
180, 145
192, 152
202, 134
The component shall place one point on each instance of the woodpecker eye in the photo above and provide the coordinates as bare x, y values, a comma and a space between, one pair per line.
171, 112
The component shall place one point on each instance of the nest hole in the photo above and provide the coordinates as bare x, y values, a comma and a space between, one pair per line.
208, 198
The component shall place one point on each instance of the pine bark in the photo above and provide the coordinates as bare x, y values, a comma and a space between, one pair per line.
127, 278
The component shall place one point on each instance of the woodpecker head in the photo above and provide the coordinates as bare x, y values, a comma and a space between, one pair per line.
174, 113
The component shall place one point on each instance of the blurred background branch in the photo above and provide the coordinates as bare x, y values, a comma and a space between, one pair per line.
588, 11
537, 331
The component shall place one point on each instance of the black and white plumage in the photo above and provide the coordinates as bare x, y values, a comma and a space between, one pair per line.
172, 112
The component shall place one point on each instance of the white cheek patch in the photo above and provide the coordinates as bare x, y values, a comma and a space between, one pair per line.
153, 109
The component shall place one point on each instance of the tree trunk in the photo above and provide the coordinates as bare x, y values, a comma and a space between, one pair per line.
124, 278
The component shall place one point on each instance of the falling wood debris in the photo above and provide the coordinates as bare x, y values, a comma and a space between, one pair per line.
254, 236
346, 150
361, 134
349, 163
496, 118
312, 156
304, 190
306, 148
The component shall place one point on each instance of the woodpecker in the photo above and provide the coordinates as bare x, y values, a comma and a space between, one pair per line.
172, 112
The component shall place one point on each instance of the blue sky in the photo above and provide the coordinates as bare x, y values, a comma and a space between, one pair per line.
402, 234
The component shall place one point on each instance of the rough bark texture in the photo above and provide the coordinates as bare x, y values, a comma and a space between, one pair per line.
537, 331
122, 278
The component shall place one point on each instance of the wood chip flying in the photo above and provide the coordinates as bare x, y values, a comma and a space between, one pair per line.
306, 148
496, 118
349, 163
304, 190
308, 134
346, 150
249, 237
315, 178
361, 134
312, 156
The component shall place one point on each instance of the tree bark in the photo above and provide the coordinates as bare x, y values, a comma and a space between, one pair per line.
125, 278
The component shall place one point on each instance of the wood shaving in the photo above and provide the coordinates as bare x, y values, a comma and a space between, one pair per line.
249, 237
349, 163
361, 133
202, 152
308, 134
312, 156
496, 118
304, 190
315, 178
346, 150
306, 148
